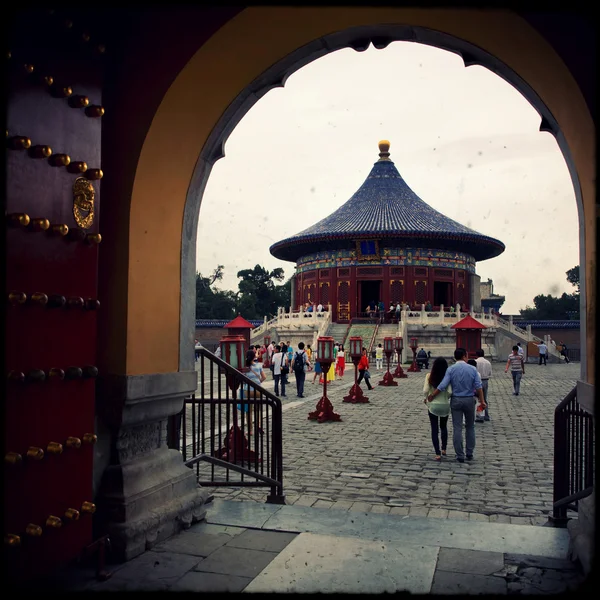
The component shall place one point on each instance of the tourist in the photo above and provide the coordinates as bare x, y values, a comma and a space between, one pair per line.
517, 369
270, 350
422, 359
484, 367
218, 351
256, 374
379, 357
363, 369
438, 409
335, 352
341, 361
290, 357
279, 361
300, 364
319, 308
317, 366
521, 351
563, 352
331, 372
543, 350
309, 352
398, 309
197, 347
464, 379
428, 306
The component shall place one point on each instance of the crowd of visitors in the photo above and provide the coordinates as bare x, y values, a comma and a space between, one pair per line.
459, 390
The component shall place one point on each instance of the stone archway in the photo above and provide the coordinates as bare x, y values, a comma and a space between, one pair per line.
225, 76
298, 36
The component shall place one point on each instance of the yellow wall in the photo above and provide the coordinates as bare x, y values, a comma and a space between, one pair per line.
231, 59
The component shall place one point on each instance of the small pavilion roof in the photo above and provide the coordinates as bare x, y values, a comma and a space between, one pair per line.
385, 208
239, 323
468, 322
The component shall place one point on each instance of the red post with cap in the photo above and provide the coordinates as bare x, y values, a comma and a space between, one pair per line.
388, 348
324, 409
399, 346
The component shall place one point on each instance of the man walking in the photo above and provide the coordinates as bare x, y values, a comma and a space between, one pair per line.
543, 350
278, 361
301, 365
517, 369
465, 380
484, 368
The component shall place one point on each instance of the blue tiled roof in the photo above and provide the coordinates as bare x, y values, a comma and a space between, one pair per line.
220, 323
384, 207
548, 324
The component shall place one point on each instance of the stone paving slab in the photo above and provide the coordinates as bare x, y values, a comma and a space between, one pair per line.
195, 581
470, 561
446, 582
314, 563
267, 541
240, 562
381, 451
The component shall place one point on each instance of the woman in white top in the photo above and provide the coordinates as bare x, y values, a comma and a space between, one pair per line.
341, 361
439, 407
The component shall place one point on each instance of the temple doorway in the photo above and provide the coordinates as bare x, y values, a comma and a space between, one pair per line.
442, 293
368, 291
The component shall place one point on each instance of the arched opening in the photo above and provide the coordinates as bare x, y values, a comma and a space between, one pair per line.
358, 38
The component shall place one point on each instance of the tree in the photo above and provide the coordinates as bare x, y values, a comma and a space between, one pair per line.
549, 307
573, 277
258, 294
214, 303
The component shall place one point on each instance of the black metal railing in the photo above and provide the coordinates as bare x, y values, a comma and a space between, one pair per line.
573, 456
231, 441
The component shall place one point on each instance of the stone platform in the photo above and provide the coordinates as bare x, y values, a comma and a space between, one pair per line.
252, 547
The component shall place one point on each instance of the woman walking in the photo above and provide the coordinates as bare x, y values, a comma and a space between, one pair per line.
439, 407
363, 369
341, 361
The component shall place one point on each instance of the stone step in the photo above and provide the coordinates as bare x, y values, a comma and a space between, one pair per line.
548, 542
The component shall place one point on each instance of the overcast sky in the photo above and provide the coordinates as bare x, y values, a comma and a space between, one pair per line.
462, 138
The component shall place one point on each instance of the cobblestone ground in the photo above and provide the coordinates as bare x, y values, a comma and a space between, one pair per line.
380, 458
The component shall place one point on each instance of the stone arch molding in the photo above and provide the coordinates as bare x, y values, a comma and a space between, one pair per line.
358, 38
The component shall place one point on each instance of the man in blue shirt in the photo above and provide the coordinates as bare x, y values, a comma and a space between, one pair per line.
466, 383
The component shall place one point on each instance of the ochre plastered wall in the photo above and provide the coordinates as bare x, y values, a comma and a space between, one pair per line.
230, 60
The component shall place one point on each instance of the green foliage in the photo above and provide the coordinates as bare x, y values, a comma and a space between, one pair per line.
213, 303
550, 307
573, 277
257, 296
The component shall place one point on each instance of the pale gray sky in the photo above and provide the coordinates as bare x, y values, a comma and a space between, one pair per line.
462, 138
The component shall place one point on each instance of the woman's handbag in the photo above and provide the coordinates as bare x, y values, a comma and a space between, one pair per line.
367, 375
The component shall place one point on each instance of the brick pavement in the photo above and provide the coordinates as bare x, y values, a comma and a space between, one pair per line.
379, 458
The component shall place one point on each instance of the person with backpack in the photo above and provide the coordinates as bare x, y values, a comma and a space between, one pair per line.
300, 365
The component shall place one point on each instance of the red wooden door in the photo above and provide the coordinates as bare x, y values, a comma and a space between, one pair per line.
52, 157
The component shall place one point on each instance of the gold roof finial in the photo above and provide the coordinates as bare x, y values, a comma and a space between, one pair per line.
384, 150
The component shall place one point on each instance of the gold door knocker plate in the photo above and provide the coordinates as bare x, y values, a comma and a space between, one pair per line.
83, 202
